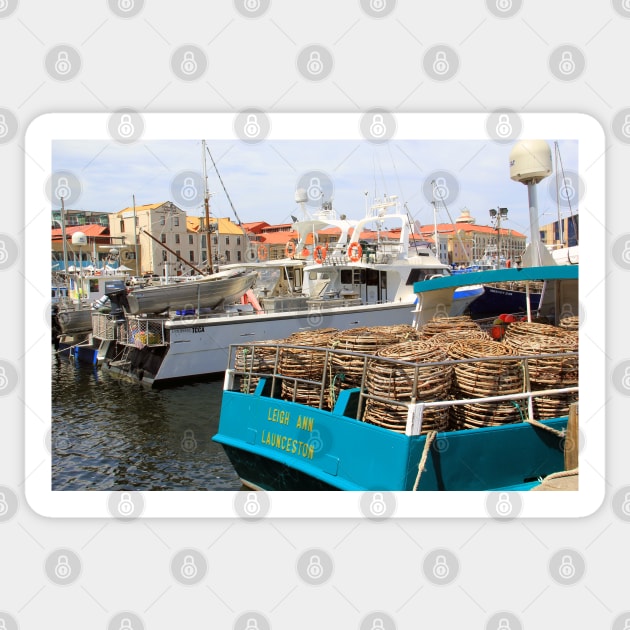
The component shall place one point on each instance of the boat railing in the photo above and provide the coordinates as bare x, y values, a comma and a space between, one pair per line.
320, 387
108, 328
143, 332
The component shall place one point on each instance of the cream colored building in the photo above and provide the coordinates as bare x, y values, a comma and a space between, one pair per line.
181, 234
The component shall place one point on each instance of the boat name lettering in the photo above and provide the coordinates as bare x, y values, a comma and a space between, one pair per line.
305, 422
198, 329
287, 444
187, 330
278, 415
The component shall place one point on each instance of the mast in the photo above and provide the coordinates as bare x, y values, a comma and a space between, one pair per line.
135, 235
206, 206
63, 237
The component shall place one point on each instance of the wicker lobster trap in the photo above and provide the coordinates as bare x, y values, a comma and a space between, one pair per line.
480, 379
422, 378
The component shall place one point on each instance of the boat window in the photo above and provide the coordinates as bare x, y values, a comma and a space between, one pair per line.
352, 276
94, 286
316, 275
372, 277
419, 274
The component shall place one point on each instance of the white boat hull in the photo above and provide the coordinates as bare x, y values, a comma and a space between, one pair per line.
200, 346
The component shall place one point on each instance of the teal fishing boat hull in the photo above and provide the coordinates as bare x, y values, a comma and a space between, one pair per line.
276, 444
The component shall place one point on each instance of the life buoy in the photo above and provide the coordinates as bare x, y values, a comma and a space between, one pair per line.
289, 250
262, 252
355, 251
319, 254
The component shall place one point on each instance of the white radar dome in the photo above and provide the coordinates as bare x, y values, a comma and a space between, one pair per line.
530, 161
301, 196
80, 239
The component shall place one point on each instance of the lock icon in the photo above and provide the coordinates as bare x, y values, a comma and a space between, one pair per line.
567, 191
504, 5
315, 570
567, 63
625, 506
440, 312
504, 624
441, 189
189, 568
4, 254
504, 127
567, 568
3, 623
4, 506
4, 381
314, 64
504, 506
125, 624
3, 7
125, 5
189, 63
378, 505
252, 5
62, 191
440, 63
625, 381
62, 65
567, 311
440, 568
189, 190
625, 128
378, 5
626, 625
125, 127
189, 443
252, 506
125, 505
314, 190
252, 624
625, 255
378, 624
252, 127
626, 7
4, 128
377, 128
63, 570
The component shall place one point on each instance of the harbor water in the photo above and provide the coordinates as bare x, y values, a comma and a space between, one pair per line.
113, 434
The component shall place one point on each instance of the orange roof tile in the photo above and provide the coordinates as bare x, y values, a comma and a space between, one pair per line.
91, 229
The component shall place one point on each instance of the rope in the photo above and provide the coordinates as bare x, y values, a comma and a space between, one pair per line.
540, 425
423, 460
70, 347
560, 474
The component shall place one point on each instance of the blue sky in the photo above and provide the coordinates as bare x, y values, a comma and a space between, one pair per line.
261, 178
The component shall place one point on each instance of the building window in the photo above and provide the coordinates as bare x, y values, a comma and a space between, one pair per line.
162, 220
192, 256
190, 239
238, 240
215, 240
227, 240
163, 238
178, 253
238, 255
164, 255
177, 238
122, 225
227, 255
203, 242
176, 221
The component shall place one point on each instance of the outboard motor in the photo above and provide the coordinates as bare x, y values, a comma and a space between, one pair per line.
116, 291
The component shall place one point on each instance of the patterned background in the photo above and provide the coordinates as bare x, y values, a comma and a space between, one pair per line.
369, 574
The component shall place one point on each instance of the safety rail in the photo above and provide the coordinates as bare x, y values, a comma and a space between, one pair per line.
143, 332
246, 378
108, 328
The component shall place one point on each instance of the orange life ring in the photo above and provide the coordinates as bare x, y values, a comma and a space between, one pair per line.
289, 250
319, 254
355, 251
262, 252
508, 263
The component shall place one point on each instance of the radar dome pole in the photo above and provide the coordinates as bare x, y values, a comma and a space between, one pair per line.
530, 163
